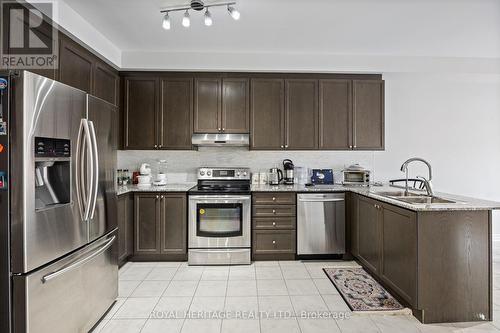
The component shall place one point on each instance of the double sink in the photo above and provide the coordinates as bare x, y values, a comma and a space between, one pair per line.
414, 198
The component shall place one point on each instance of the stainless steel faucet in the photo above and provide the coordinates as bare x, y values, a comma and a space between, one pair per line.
427, 182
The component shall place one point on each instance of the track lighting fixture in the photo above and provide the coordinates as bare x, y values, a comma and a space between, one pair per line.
198, 5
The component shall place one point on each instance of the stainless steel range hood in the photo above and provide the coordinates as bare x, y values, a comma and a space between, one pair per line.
220, 140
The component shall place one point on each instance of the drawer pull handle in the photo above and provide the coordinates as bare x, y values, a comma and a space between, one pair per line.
274, 242
274, 199
274, 211
274, 224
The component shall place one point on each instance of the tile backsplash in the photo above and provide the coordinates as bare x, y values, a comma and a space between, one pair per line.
182, 165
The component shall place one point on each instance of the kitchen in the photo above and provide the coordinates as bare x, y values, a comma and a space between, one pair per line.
209, 122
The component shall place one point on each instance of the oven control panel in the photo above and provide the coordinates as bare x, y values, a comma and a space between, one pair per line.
224, 173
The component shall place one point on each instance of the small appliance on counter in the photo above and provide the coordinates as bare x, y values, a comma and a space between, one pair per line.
288, 167
302, 175
144, 179
322, 177
161, 176
355, 174
275, 176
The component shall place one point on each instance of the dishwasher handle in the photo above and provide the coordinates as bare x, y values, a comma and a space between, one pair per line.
322, 200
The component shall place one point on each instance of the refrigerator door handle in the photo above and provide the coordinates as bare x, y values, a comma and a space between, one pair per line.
87, 187
95, 161
78, 170
80, 262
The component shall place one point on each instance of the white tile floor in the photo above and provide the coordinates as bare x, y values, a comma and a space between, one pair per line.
154, 298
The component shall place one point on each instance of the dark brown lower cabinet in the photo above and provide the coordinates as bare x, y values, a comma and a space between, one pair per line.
437, 263
368, 233
274, 231
399, 251
160, 226
125, 217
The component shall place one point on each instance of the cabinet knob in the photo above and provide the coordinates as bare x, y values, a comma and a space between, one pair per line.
161, 197
223, 129
274, 242
274, 211
286, 146
282, 146
157, 197
156, 146
274, 224
219, 129
274, 198
350, 146
160, 146
354, 146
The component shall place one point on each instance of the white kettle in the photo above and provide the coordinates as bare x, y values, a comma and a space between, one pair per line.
145, 169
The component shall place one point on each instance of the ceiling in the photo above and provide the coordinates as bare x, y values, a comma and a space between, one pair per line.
439, 28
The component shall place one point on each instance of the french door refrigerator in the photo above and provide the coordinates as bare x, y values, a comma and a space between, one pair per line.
58, 264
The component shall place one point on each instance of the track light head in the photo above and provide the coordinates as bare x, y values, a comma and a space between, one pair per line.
233, 12
208, 18
166, 22
186, 20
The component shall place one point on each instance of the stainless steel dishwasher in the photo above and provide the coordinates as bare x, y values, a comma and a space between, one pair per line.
321, 223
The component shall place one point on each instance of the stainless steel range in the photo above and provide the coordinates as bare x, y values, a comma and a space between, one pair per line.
220, 217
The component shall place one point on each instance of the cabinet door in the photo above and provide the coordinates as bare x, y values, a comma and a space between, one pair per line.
129, 231
369, 233
399, 251
75, 65
267, 113
353, 219
121, 216
301, 114
207, 105
140, 106
176, 113
368, 114
106, 83
174, 224
335, 114
147, 224
235, 106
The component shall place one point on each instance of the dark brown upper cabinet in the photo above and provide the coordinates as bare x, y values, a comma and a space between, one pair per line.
75, 65
235, 105
176, 113
106, 83
301, 114
221, 105
335, 114
368, 114
140, 112
267, 114
207, 105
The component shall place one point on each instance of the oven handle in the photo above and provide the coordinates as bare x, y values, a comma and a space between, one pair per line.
217, 197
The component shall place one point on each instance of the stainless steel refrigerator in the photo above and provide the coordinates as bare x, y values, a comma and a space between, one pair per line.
58, 264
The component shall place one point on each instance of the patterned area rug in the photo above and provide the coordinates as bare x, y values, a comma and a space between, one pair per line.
361, 291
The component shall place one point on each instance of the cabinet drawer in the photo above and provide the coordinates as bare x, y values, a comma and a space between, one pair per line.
274, 223
270, 198
273, 241
273, 211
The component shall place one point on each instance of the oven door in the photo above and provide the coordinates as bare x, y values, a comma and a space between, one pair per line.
219, 221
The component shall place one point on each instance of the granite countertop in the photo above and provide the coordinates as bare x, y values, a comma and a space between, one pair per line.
178, 187
461, 202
